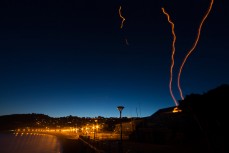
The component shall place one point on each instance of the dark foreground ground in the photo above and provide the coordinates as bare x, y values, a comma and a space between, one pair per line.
73, 146
78, 146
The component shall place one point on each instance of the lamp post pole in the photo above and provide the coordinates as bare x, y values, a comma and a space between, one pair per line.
96, 128
120, 108
94, 131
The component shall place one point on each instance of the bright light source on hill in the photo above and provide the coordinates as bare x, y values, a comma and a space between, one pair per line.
177, 110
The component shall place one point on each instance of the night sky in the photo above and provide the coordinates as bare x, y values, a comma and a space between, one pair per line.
69, 57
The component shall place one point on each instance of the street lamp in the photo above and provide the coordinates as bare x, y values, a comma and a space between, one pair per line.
94, 131
120, 108
94, 127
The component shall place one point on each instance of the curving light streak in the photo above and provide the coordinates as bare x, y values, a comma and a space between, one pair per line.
193, 47
120, 15
127, 43
172, 57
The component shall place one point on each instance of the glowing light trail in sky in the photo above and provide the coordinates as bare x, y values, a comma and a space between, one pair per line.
172, 57
193, 47
122, 23
120, 15
127, 43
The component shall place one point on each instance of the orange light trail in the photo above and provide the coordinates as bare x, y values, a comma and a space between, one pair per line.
120, 15
172, 57
193, 47
127, 43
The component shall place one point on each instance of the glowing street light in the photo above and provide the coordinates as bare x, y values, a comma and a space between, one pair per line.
94, 131
120, 108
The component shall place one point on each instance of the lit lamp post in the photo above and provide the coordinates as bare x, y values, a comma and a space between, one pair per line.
120, 108
94, 131
94, 127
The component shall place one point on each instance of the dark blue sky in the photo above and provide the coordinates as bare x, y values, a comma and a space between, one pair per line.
70, 58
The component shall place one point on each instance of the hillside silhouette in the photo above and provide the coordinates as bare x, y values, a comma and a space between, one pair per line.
202, 123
